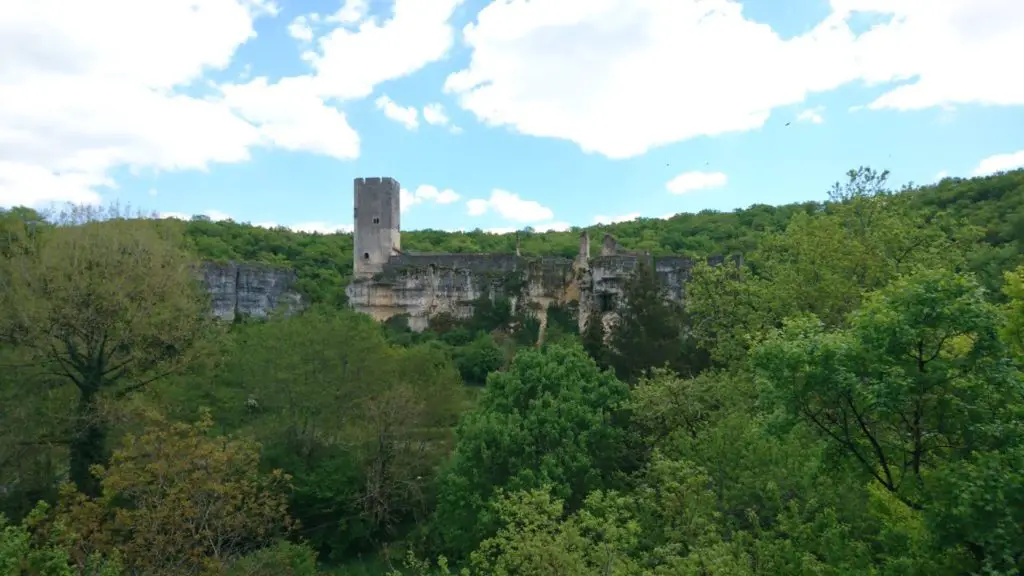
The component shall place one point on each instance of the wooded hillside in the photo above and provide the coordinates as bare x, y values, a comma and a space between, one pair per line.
851, 401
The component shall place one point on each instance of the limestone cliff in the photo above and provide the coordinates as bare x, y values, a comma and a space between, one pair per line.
424, 285
249, 290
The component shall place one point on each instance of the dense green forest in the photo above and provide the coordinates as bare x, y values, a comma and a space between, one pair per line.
848, 402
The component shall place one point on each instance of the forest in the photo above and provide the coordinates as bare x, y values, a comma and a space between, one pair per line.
849, 401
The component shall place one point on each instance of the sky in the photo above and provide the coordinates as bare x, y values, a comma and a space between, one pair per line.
497, 114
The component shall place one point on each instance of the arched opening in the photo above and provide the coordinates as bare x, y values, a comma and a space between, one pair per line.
366, 255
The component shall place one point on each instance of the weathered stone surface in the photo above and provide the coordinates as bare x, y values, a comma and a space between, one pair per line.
249, 290
388, 282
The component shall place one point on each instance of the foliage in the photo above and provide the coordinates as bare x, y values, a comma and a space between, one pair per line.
848, 400
547, 421
105, 303
281, 559
177, 501
35, 548
479, 358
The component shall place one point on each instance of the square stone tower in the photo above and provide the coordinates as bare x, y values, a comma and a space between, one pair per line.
377, 224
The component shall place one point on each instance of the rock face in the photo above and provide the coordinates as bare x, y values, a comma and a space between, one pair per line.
388, 282
249, 290
425, 285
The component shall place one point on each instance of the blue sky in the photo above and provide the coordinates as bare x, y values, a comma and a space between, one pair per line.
497, 115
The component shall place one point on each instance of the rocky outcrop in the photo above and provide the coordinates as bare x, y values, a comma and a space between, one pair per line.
424, 285
249, 290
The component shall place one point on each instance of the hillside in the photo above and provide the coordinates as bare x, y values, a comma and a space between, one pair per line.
993, 203
849, 403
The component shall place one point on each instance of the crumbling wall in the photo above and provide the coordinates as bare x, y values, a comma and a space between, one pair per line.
425, 285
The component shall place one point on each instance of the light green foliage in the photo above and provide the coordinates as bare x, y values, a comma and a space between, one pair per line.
176, 500
38, 548
549, 420
281, 559
864, 414
1013, 332
360, 423
105, 303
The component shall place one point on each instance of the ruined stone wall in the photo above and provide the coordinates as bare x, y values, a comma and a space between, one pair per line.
425, 285
249, 290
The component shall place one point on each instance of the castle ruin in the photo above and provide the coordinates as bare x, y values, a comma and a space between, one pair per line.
389, 282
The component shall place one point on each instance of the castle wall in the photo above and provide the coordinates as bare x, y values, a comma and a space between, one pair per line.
425, 285
388, 283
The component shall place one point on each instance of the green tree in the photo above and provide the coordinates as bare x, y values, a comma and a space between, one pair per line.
649, 331
176, 500
550, 420
919, 378
105, 303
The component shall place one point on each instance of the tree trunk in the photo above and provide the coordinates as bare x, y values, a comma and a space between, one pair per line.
88, 444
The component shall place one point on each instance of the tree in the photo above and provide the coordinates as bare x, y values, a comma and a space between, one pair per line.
176, 500
1013, 331
650, 330
105, 303
920, 377
552, 419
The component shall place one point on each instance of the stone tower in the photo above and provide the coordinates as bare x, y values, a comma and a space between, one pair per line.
376, 219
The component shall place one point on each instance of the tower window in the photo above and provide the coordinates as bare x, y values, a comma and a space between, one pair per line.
376, 220
366, 255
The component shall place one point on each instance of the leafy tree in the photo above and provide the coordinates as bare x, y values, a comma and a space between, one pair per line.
178, 501
918, 378
649, 330
107, 304
549, 420
478, 359
1013, 332
37, 547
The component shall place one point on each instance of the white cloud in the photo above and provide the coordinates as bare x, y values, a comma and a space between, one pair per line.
941, 175
405, 115
352, 59
434, 114
510, 207
290, 115
812, 115
696, 180
615, 219
1000, 163
300, 29
619, 77
153, 192
426, 193
82, 93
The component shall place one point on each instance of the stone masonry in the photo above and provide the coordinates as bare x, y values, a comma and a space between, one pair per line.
388, 282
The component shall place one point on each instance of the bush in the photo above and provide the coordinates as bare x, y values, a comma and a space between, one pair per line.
282, 559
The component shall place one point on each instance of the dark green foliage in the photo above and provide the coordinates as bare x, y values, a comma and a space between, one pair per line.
650, 331
476, 359
547, 421
864, 414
